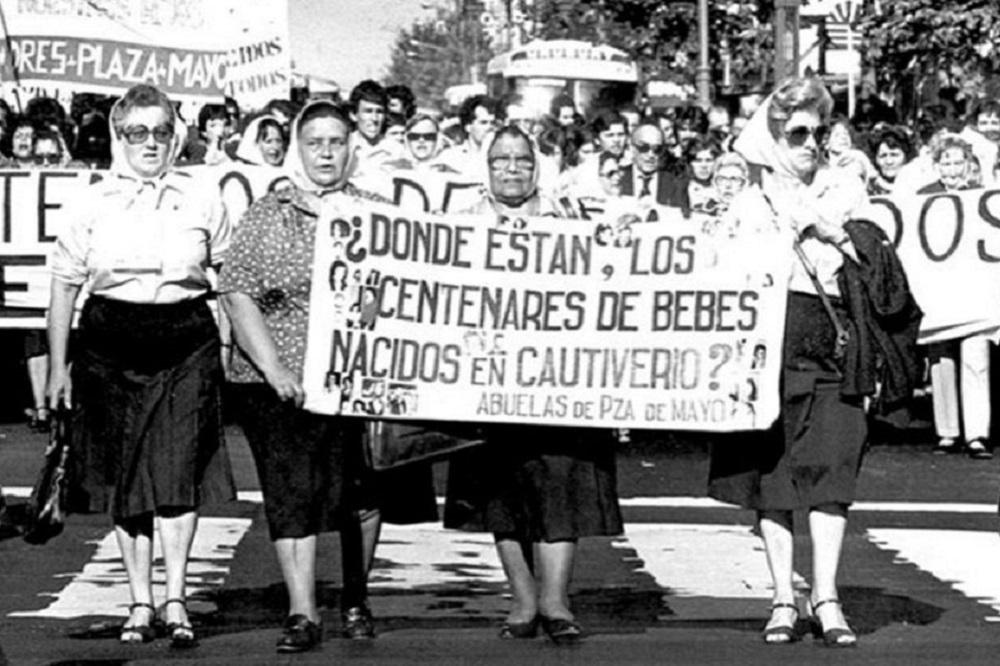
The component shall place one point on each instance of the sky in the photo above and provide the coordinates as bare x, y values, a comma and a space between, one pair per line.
349, 40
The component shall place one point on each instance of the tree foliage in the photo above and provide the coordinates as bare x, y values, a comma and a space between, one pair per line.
434, 54
663, 35
920, 38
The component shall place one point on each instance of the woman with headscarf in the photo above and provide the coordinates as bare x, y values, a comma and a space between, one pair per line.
146, 376
538, 489
263, 142
851, 323
310, 466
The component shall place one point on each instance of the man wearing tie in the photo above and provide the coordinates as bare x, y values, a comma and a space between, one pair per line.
645, 178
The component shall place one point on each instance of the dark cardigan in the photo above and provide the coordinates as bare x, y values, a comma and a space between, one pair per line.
882, 356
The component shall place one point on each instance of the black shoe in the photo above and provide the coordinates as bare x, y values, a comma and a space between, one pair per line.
561, 631
181, 633
139, 633
300, 635
527, 629
945, 446
978, 450
358, 623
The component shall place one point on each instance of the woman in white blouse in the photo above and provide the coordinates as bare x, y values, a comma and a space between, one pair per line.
146, 374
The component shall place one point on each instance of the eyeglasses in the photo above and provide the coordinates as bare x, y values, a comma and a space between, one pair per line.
138, 134
421, 136
730, 180
502, 162
648, 147
46, 160
797, 136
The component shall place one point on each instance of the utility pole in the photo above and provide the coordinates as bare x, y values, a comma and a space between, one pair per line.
703, 74
786, 39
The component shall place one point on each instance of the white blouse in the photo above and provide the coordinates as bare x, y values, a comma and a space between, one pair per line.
145, 241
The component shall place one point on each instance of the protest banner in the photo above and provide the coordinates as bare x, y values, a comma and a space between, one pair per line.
559, 322
193, 50
426, 191
35, 205
949, 244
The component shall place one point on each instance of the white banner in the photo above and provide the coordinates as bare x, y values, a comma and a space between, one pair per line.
193, 50
561, 322
950, 247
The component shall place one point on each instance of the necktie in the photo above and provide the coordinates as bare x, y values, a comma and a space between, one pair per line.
644, 192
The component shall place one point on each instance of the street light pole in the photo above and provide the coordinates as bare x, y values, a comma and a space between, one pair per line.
786, 39
703, 75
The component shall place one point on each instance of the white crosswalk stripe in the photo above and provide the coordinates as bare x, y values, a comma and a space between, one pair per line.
704, 560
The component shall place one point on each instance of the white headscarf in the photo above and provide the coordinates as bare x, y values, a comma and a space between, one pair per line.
248, 149
295, 169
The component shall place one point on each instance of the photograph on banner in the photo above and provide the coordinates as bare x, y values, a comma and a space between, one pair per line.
189, 49
949, 244
606, 323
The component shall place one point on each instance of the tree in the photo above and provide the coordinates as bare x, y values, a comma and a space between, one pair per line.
663, 36
434, 54
916, 40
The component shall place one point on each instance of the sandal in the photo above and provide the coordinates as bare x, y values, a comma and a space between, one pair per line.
511, 630
835, 637
181, 633
781, 634
560, 630
138, 633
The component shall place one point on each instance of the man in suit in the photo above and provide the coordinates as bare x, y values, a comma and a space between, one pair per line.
646, 178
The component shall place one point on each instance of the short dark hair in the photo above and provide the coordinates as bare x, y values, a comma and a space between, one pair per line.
606, 118
558, 102
269, 121
393, 119
698, 144
893, 136
404, 95
985, 107
323, 109
467, 112
368, 91
211, 112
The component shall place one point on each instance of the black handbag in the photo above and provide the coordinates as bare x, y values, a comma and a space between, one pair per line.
46, 508
391, 444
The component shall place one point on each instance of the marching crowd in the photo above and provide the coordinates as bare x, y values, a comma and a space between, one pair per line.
147, 433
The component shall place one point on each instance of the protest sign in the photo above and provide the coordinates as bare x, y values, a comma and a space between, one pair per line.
35, 206
193, 50
949, 244
560, 322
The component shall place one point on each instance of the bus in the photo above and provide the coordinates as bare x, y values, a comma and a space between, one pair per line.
595, 76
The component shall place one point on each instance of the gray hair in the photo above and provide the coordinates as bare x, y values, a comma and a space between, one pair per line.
138, 96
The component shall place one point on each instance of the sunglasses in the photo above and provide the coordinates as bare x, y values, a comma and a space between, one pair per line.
797, 136
45, 160
648, 147
421, 136
503, 162
138, 134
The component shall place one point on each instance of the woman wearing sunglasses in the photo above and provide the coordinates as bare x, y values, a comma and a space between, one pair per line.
849, 313
146, 375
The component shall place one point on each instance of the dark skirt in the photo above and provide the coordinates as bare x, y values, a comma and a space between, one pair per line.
312, 472
536, 484
812, 454
147, 431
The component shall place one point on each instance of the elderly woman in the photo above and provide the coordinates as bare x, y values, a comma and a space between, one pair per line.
263, 142
849, 313
537, 489
146, 373
966, 360
310, 466
730, 175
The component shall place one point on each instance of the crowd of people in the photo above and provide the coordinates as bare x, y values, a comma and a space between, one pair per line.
148, 236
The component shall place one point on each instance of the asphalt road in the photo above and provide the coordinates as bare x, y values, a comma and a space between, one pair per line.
687, 584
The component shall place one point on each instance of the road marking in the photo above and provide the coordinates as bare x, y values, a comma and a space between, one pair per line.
690, 502
428, 557
965, 559
101, 588
725, 561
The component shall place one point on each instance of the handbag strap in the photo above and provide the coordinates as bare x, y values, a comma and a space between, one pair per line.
842, 334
